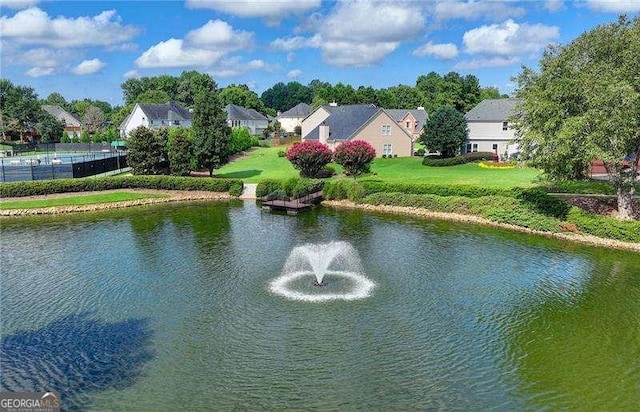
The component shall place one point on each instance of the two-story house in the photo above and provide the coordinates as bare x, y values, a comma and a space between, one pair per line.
238, 116
72, 125
333, 124
489, 127
152, 116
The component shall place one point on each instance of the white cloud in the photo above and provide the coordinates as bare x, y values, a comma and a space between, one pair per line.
34, 26
509, 38
18, 4
234, 66
131, 74
476, 9
289, 44
439, 51
294, 73
614, 6
173, 53
554, 5
290, 56
272, 11
219, 35
486, 62
89, 67
359, 33
201, 47
40, 71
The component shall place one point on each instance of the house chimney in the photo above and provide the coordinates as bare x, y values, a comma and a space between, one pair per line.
420, 107
333, 104
323, 133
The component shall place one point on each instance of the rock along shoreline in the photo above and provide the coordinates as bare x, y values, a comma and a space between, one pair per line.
456, 217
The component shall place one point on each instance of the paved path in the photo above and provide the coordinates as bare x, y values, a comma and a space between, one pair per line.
249, 191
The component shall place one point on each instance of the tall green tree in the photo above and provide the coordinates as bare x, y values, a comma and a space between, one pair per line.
145, 151
582, 105
180, 149
445, 131
49, 128
190, 84
211, 131
241, 95
19, 109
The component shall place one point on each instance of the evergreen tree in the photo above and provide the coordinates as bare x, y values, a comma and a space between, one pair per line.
145, 151
445, 131
180, 151
211, 131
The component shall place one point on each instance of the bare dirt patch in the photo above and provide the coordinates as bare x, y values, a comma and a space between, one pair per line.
606, 206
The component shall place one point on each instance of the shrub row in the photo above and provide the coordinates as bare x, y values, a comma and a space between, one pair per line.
496, 208
45, 187
374, 186
587, 187
344, 189
434, 161
605, 226
293, 188
475, 156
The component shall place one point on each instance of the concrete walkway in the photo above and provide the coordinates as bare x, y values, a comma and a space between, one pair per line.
249, 191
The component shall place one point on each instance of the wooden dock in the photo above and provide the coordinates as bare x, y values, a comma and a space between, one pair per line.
294, 206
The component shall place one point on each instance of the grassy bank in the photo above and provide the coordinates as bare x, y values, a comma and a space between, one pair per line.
78, 200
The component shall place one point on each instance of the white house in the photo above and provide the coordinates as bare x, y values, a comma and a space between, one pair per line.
293, 117
152, 116
489, 127
238, 116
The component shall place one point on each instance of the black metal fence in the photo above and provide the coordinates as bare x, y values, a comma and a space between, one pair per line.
18, 169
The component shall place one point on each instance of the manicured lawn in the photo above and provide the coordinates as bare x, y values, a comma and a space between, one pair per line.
264, 163
78, 200
261, 163
411, 170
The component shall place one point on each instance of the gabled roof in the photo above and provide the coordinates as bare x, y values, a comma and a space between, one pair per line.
61, 114
170, 111
345, 121
299, 110
496, 110
419, 114
235, 112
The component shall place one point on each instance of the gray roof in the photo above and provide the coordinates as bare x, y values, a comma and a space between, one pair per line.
344, 121
300, 110
496, 110
62, 115
398, 114
235, 112
170, 111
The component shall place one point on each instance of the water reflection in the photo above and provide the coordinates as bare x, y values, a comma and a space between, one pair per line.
76, 356
583, 352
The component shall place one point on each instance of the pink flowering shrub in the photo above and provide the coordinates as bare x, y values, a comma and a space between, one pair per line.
309, 157
354, 156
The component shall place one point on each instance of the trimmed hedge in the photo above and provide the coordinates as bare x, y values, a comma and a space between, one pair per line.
449, 161
291, 188
475, 156
541, 202
343, 189
45, 187
374, 186
587, 187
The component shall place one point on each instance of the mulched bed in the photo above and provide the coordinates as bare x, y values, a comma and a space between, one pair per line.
607, 206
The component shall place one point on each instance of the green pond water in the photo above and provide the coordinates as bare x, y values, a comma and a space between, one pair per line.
169, 308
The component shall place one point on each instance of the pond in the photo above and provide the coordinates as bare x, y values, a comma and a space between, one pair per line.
171, 307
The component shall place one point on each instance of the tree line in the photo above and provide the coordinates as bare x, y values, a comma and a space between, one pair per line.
20, 106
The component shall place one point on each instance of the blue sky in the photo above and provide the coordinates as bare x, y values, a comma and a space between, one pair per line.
88, 48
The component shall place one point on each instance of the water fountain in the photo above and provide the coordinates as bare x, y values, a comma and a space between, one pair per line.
338, 260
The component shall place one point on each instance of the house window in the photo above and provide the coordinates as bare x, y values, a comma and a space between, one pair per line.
408, 124
385, 129
475, 147
176, 122
468, 147
494, 147
387, 149
505, 125
150, 122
